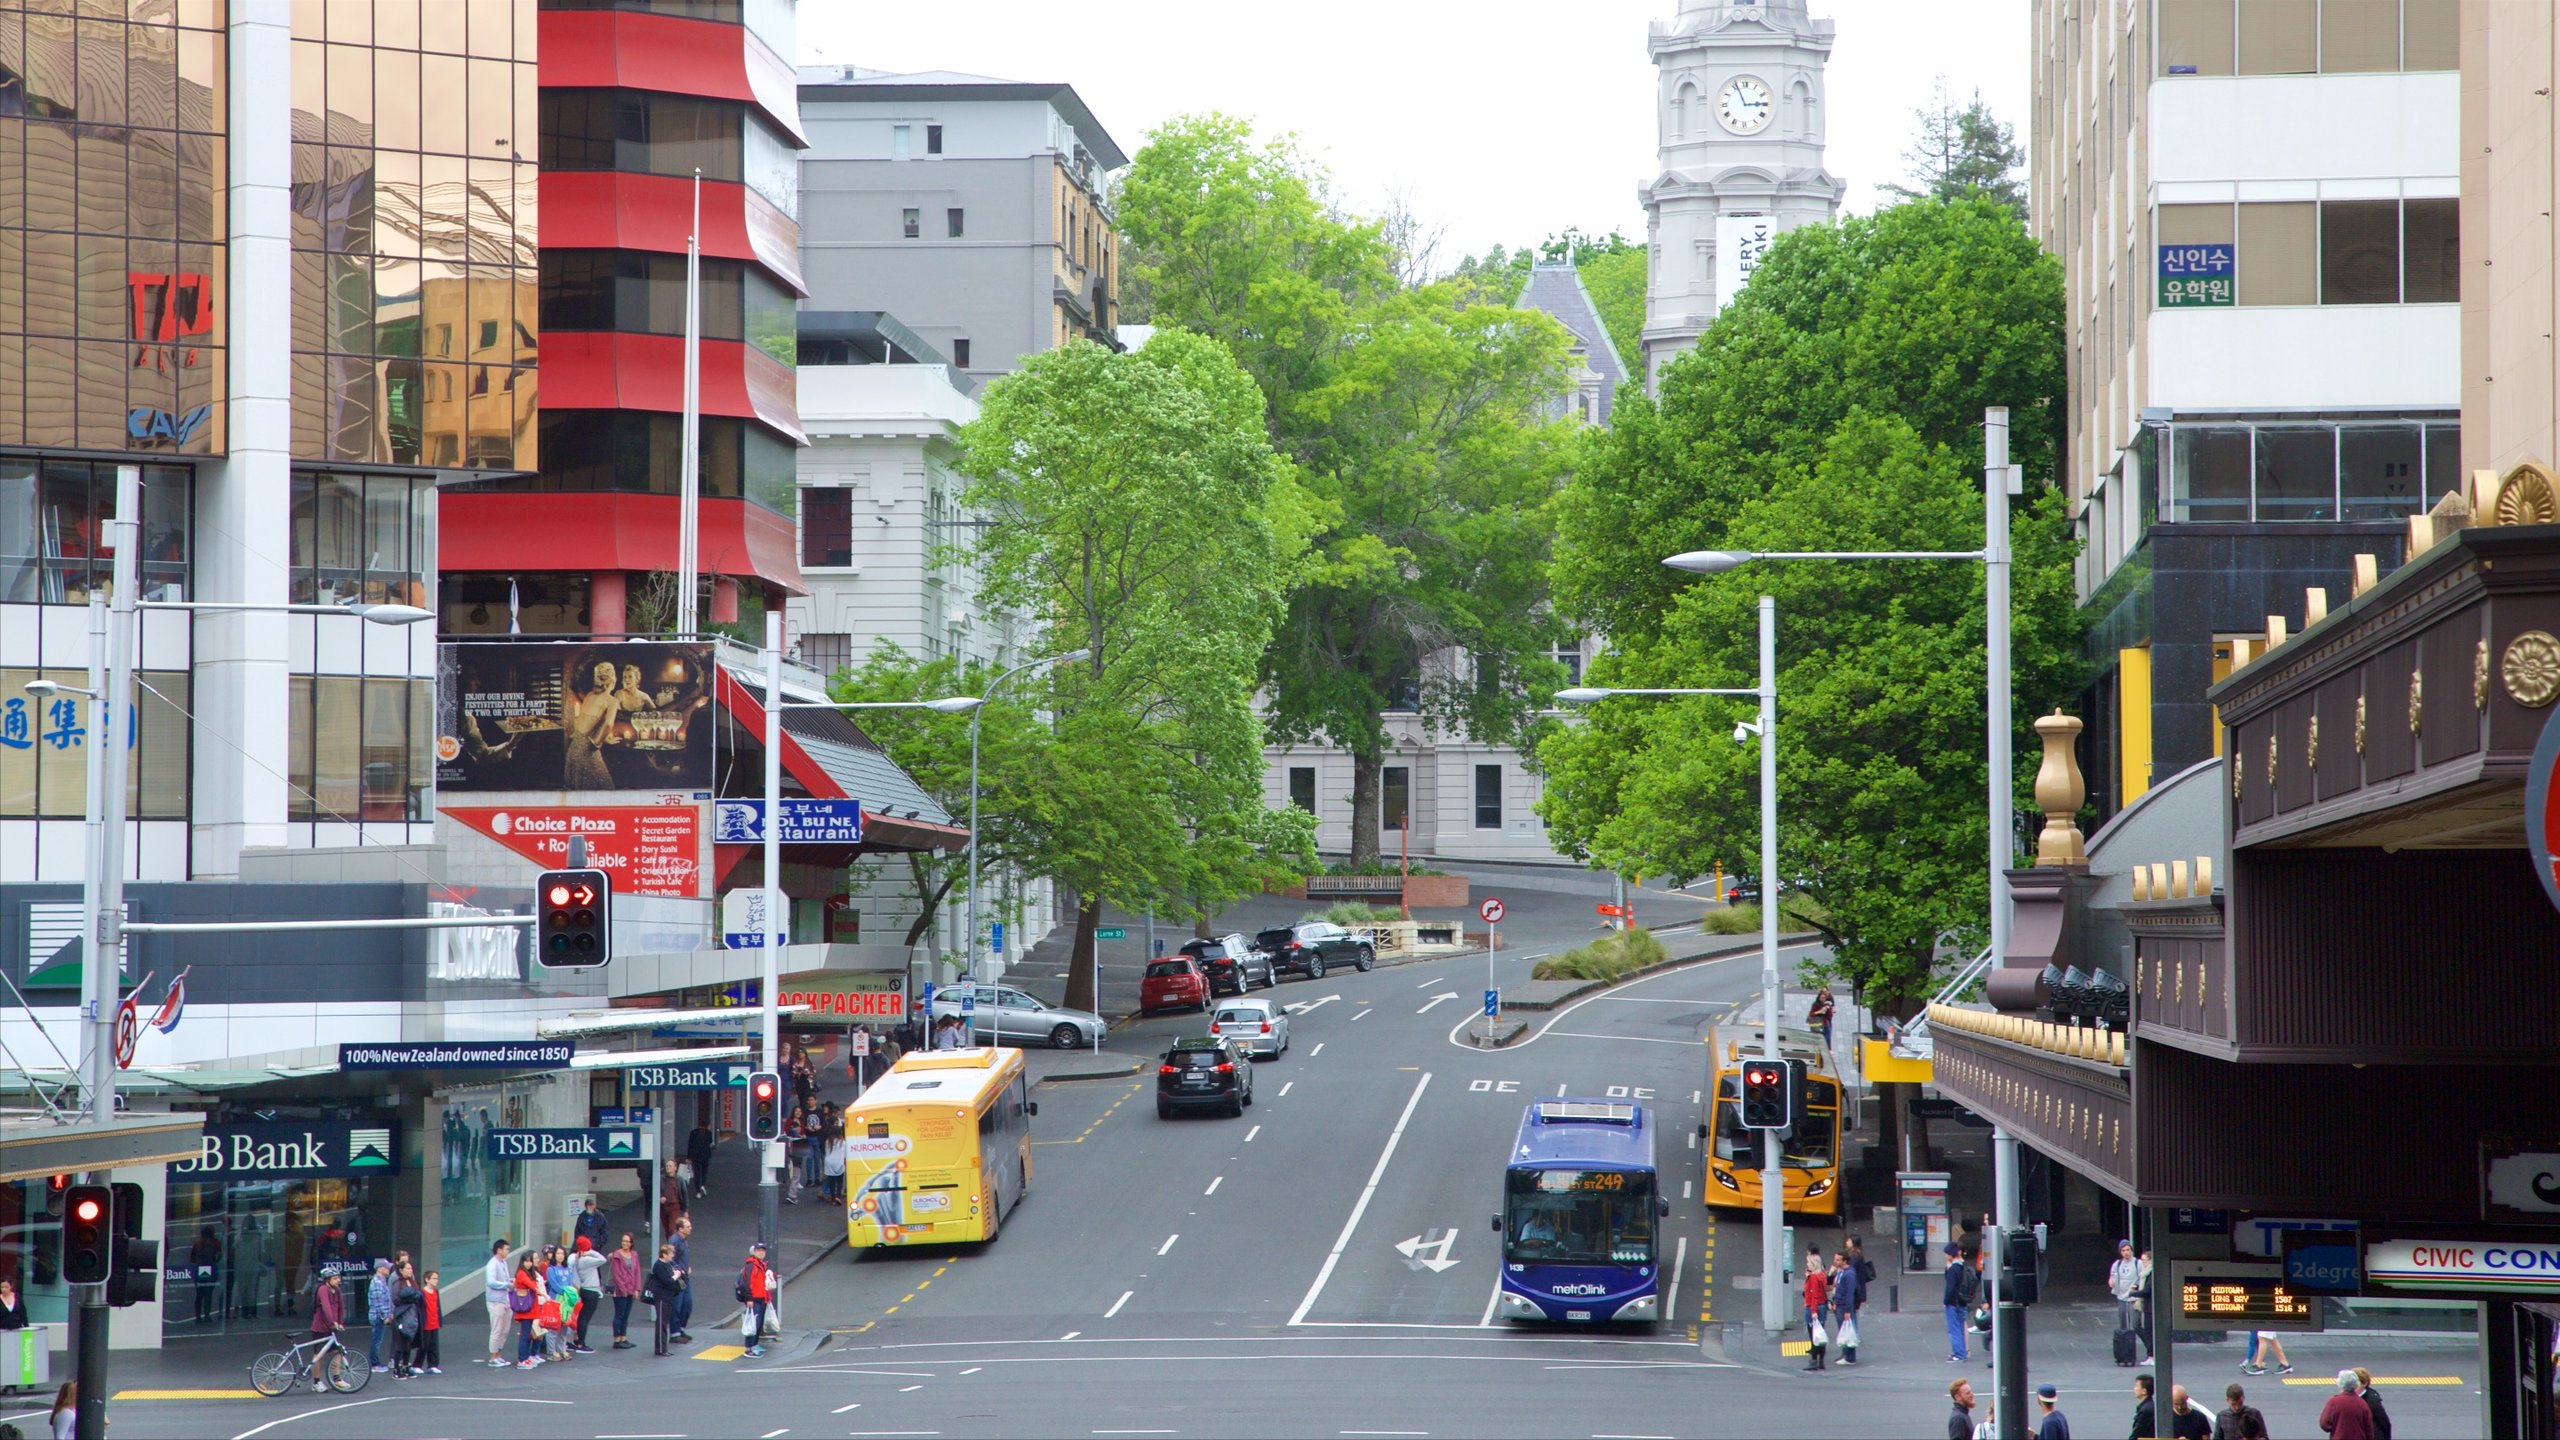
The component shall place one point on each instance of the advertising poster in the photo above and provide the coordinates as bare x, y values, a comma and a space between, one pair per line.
520, 715
647, 849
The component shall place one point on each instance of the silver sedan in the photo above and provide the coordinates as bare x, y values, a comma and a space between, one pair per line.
1005, 1014
1259, 1027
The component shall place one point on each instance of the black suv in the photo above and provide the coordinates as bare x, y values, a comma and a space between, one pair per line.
1232, 966
1203, 1072
1307, 948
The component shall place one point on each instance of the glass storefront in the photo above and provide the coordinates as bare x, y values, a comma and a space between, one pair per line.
31, 1250
275, 1205
484, 1200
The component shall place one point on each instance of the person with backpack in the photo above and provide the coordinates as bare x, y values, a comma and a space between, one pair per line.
1956, 1294
408, 1315
2238, 1420
755, 1291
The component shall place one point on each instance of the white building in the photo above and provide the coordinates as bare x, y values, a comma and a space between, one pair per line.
1741, 121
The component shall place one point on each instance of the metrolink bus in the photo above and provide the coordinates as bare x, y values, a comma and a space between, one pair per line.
1809, 1156
1581, 1214
938, 1149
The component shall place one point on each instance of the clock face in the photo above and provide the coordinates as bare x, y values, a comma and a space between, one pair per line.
1745, 105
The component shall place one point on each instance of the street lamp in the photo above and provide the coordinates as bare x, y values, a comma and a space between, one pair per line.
2008, 1343
1773, 1299
970, 955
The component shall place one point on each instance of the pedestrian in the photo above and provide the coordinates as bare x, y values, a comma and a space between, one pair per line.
560, 1290
328, 1317
1955, 1295
948, 1035
2142, 1309
813, 1148
431, 1323
65, 1419
2124, 1278
524, 1301
2187, 1419
2238, 1419
586, 1269
2051, 1423
1847, 1295
497, 1289
682, 1318
2346, 1416
2373, 1401
378, 1309
1817, 1301
666, 1284
837, 1150
203, 1261
590, 1227
1818, 1014
755, 1291
622, 1278
795, 1150
13, 1307
671, 1188
2142, 1413
2263, 1348
1865, 1267
697, 1149
408, 1314
1960, 1419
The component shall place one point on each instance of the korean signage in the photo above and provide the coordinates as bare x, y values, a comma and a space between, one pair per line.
603, 1143
483, 1054
745, 916
535, 715
2198, 276
1740, 242
290, 1150
804, 822
647, 849
2490, 1265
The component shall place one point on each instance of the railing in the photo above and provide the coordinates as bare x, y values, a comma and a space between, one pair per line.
2075, 1042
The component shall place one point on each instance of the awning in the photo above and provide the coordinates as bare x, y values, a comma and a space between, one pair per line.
612, 1022
167, 1079
616, 1059
829, 758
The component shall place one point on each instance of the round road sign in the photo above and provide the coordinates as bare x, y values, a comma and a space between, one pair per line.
128, 1032
1491, 910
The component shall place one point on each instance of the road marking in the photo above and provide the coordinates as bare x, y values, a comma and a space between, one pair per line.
1361, 1015
185, 1395
856, 1405
1301, 1007
1427, 984
1491, 1301
1386, 1432
727, 1352
1361, 1207
1137, 1432
1070, 1335
905, 1389
1116, 1304
1442, 998
1284, 1091
309, 1415
777, 1434
1592, 1035
974, 1369
1679, 1262
2380, 1379
1681, 969
1685, 1184
883, 1434
1249, 1134
1693, 1139
1316, 1051
1214, 1183
1168, 1243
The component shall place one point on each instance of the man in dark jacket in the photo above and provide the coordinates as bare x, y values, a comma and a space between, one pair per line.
2238, 1419
1960, 1420
697, 1148
2373, 1402
1956, 1294
1847, 1295
2142, 1413
666, 1282
590, 1228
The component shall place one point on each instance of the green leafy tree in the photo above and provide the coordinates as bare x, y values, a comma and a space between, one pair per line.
1835, 405
1416, 417
1961, 151
1612, 269
1141, 515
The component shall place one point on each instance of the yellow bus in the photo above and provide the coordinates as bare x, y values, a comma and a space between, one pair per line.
1809, 1158
938, 1149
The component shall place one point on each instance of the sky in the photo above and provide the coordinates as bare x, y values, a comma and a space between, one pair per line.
1498, 121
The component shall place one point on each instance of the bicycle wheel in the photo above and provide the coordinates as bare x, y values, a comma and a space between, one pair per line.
345, 1372
272, 1374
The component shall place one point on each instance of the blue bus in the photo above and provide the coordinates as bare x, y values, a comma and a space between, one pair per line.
1581, 1216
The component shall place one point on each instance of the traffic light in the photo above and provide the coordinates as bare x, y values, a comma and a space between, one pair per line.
88, 1234
54, 1187
134, 1275
764, 1106
2018, 1267
573, 924
1764, 1095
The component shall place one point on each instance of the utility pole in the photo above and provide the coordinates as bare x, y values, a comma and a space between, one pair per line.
2008, 1318
768, 1183
1773, 1175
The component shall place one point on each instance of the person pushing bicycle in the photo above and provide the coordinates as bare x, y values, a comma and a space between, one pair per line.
328, 1317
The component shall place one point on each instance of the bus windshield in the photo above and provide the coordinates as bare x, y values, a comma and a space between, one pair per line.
1578, 1217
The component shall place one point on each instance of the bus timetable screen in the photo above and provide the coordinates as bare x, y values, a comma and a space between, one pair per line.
2259, 1303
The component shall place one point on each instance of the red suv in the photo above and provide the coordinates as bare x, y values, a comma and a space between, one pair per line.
1175, 984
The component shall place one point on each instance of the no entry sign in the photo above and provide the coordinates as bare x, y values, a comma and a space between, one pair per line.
1491, 910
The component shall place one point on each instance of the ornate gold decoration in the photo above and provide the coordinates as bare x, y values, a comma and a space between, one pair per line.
2417, 698
2531, 668
2271, 757
2059, 791
2528, 497
2311, 747
2480, 676
2359, 722
2237, 769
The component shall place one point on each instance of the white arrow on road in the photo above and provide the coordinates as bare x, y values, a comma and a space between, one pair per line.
1433, 1252
1301, 1007
1436, 999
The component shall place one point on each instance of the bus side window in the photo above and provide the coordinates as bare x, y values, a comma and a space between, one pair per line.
987, 1121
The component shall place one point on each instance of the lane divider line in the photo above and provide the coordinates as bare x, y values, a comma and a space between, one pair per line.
1168, 1243
1116, 1304
1214, 1183
1361, 1207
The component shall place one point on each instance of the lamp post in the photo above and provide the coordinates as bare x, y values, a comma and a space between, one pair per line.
1999, 477
1773, 1299
969, 955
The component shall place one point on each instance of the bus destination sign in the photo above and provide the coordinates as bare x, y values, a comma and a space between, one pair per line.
2254, 1300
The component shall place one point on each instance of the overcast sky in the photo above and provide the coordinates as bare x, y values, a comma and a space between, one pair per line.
1500, 120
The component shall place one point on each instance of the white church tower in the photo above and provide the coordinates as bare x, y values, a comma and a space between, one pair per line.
1741, 119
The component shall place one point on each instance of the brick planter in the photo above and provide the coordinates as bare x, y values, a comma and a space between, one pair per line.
1420, 892
1435, 892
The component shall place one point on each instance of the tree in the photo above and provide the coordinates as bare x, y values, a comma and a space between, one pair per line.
1961, 152
1612, 269
1140, 514
1834, 405
1416, 416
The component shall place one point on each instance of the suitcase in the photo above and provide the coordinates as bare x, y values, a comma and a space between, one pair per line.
2128, 1347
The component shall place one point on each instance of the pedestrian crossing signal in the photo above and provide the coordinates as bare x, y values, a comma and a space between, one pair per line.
573, 918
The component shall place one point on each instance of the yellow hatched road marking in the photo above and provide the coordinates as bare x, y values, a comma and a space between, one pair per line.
2383, 1380
719, 1352
1795, 1347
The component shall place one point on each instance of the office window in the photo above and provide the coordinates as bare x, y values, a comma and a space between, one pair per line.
827, 654
957, 219
2212, 473
899, 138
2429, 39
933, 139
2279, 37
359, 749
2359, 35
1302, 787
960, 353
1395, 784
2380, 471
1569, 655
2360, 252
826, 526
2431, 251
2279, 254
2297, 469
911, 223
1488, 797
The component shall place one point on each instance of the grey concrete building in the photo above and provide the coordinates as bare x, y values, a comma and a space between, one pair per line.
970, 207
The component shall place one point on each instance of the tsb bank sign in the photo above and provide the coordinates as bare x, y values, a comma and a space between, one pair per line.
290, 1150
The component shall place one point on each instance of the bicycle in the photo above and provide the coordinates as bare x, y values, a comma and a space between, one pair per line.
317, 1359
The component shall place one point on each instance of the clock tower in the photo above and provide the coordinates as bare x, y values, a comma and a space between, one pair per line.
1740, 112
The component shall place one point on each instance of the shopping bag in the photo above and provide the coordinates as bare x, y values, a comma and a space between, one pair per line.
1849, 1333
1821, 1337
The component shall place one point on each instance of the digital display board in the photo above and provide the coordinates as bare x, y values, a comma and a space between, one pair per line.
2244, 1301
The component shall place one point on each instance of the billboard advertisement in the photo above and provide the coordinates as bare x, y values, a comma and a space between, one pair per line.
647, 849
517, 715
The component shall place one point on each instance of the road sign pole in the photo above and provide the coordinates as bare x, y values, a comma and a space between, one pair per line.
769, 1185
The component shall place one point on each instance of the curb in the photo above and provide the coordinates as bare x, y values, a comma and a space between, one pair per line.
1641, 971
1122, 1071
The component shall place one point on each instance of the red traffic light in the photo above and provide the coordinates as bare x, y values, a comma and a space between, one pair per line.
559, 895
88, 1211
764, 1089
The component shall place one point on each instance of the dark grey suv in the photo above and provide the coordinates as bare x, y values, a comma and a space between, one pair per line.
1309, 947
1233, 967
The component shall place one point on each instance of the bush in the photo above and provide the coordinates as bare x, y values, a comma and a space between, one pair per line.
1606, 958
1795, 913
1352, 914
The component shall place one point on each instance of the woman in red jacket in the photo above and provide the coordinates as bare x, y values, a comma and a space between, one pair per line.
1817, 1296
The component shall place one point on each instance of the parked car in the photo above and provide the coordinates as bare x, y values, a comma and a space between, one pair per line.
1006, 1014
1203, 1073
1177, 983
1231, 963
1308, 947
1257, 1027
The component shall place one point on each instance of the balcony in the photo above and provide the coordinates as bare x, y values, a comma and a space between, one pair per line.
2063, 1089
